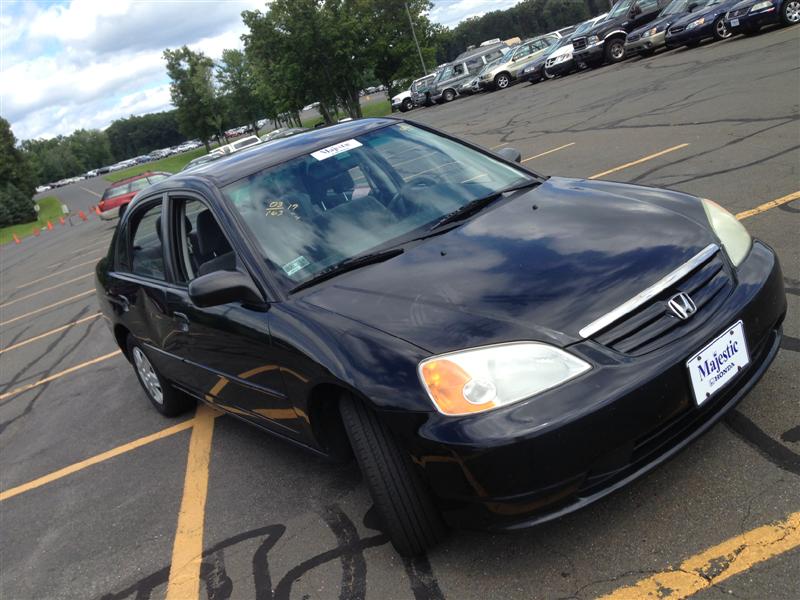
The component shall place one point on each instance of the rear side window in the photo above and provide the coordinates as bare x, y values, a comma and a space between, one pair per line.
117, 190
147, 252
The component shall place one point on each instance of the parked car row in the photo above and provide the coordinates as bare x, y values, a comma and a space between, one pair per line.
630, 28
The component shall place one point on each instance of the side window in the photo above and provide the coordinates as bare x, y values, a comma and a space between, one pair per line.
202, 247
458, 70
648, 6
146, 252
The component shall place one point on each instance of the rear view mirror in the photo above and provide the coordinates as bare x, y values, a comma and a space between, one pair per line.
221, 287
511, 154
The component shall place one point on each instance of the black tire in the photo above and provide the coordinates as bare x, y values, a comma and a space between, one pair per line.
547, 75
502, 81
721, 31
448, 96
172, 402
401, 499
614, 50
406, 105
790, 12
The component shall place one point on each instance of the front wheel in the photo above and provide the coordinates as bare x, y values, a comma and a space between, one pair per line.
721, 31
502, 81
547, 74
790, 12
401, 499
166, 399
448, 96
406, 105
615, 50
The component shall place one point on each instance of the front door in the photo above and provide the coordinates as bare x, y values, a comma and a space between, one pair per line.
227, 348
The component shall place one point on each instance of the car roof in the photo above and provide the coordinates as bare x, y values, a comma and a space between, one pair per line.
139, 176
247, 161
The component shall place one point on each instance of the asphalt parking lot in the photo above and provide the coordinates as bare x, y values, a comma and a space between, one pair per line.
101, 497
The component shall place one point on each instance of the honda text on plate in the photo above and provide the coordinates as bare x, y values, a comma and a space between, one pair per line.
495, 347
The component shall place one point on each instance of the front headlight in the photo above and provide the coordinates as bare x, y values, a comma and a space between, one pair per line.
729, 230
481, 379
761, 6
650, 32
696, 23
592, 39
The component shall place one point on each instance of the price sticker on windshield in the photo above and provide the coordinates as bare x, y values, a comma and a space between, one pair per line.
336, 149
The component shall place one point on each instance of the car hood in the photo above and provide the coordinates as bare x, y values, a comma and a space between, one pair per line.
714, 10
539, 265
565, 49
603, 26
665, 21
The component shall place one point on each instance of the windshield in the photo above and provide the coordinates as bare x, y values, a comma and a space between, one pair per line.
363, 194
620, 8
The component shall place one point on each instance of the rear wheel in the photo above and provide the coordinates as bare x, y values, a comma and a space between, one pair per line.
166, 399
721, 31
615, 50
502, 81
790, 12
401, 499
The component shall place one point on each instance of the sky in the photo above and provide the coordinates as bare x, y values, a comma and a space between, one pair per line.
67, 65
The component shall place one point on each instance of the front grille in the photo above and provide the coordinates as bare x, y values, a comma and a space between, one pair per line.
579, 43
677, 29
634, 36
653, 326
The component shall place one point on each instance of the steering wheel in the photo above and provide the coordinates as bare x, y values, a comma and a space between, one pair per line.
400, 205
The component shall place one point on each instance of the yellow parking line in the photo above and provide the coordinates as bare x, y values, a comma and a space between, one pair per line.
767, 205
98, 458
548, 152
51, 332
48, 307
47, 289
639, 161
499, 146
60, 374
60, 271
187, 549
717, 564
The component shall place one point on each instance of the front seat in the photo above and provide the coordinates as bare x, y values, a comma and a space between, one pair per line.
214, 251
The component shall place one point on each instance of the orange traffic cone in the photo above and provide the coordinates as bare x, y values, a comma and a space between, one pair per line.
97, 210
61, 220
16, 239
49, 225
82, 215
36, 230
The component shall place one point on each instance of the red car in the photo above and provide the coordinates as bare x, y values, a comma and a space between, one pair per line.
122, 192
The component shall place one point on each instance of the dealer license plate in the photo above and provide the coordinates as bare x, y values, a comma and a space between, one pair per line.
734, 22
714, 366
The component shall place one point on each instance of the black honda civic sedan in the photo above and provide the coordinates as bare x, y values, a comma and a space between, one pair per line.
495, 347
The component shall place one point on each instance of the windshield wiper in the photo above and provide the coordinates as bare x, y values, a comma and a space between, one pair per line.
470, 208
349, 264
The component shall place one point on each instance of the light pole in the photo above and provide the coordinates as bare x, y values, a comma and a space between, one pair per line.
414, 34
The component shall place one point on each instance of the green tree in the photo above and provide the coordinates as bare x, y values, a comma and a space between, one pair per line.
238, 83
192, 91
16, 180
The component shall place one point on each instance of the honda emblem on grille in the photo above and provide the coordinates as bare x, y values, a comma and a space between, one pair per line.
682, 306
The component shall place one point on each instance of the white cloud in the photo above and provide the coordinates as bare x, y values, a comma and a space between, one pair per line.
85, 63
451, 12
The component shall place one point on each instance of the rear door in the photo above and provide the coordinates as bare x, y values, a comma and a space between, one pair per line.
227, 349
138, 284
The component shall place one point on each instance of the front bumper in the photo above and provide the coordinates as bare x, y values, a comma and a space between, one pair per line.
752, 20
561, 68
646, 44
589, 54
535, 74
538, 460
689, 36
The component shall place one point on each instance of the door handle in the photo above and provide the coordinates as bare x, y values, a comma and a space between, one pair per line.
183, 321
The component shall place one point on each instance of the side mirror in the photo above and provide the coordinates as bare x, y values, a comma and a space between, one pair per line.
222, 287
636, 10
511, 154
